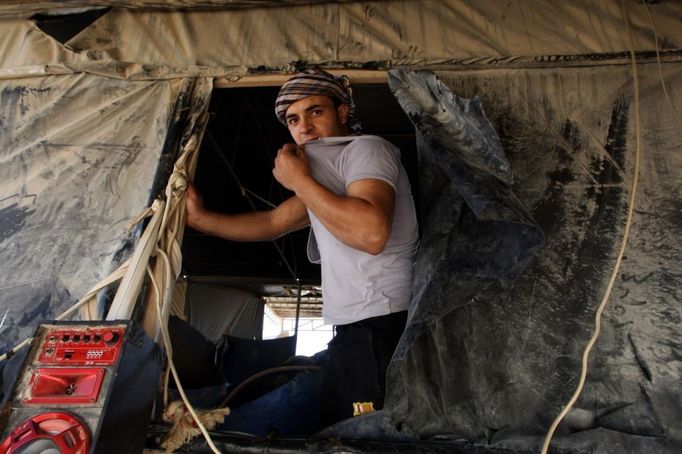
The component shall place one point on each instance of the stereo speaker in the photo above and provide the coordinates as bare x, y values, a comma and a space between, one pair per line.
85, 387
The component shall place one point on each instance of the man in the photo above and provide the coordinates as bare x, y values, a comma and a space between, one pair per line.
354, 192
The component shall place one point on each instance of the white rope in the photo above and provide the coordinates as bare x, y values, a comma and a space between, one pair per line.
16, 348
145, 213
621, 252
169, 251
169, 354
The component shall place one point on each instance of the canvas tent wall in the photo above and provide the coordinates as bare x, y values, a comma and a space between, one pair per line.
557, 84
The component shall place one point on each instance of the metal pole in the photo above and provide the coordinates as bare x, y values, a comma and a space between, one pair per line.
298, 313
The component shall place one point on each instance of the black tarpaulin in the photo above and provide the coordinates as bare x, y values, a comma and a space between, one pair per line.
492, 352
477, 238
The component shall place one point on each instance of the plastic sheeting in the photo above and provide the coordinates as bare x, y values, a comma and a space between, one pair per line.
484, 361
71, 182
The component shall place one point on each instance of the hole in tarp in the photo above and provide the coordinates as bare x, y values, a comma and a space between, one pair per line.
63, 27
244, 135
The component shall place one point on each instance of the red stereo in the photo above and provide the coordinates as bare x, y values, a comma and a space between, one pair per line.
84, 387
81, 346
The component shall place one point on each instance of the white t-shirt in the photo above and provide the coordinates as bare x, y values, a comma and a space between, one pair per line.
357, 285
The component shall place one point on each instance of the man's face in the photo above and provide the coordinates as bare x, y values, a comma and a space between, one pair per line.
314, 117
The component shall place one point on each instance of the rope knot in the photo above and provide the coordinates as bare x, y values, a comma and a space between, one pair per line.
178, 180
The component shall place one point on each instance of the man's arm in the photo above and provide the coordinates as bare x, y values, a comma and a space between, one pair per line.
362, 219
288, 216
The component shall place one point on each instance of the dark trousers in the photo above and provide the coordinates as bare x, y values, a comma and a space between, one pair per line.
355, 372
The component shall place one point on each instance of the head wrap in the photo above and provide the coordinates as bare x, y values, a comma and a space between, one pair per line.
313, 82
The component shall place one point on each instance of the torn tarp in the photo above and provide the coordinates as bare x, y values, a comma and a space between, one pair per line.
477, 238
491, 236
485, 360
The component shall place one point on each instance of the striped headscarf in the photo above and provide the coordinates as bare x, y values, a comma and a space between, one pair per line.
317, 82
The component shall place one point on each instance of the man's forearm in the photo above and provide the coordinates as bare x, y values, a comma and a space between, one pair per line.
288, 216
253, 226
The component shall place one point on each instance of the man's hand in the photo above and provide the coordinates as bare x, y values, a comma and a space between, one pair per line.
291, 166
194, 205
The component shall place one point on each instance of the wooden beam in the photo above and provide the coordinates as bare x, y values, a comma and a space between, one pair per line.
357, 76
